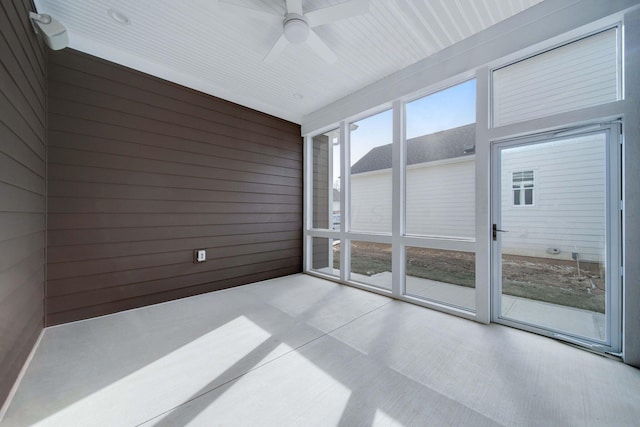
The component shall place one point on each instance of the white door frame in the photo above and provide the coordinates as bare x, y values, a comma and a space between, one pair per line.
613, 328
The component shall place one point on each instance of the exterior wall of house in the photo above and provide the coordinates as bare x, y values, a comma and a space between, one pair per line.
568, 211
371, 201
22, 189
440, 199
567, 215
142, 172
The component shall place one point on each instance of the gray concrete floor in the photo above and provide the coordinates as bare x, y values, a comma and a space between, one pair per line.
302, 351
584, 323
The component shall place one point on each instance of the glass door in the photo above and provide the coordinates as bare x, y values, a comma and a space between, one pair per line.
556, 235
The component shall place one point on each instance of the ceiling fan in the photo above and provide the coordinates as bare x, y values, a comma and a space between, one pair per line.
297, 27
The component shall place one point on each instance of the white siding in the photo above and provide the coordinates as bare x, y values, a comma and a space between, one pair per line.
577, 75
441, 199
371, 202
569, 199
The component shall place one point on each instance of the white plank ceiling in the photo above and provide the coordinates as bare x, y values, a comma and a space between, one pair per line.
196, 44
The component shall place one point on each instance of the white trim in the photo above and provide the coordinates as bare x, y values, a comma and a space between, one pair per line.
440, 243
307, 200
345, 199
444, 308
399, 153
483, 205
23, 371
631, 191
523, 189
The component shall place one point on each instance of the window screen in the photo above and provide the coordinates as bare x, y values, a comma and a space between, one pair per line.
577, 75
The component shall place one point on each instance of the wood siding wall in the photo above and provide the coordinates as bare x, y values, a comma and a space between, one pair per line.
142, 172
22, 189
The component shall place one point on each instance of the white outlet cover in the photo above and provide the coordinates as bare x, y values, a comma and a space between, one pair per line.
202, 255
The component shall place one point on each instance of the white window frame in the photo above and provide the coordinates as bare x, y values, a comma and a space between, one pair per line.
485, 134
522, 195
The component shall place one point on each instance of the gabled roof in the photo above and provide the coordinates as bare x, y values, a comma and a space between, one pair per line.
447, 144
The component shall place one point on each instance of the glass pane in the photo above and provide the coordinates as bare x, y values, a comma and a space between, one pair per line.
573, 76
440, 163
528, 197
326, 180
371, 264
443, 276
553, 253
371, 173
325, 256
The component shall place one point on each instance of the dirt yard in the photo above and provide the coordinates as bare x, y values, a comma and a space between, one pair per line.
542, 279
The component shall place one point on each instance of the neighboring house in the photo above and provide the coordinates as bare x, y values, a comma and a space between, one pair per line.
551, 213
336, 201
336, 210
551, 209
440, 167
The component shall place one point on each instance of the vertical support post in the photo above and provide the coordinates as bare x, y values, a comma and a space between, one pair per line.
483, 197
330, 167
398, 153
307, 191
345, 200
631, 191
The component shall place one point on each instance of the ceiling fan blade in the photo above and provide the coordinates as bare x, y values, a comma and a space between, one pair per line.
321, 48
276, 49
335, 13
250, 12
294, 6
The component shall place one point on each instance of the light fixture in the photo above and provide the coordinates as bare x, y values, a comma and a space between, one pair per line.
119, 17
51, 30
296, 28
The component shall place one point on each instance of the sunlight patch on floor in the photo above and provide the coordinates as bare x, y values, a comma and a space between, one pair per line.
185, 372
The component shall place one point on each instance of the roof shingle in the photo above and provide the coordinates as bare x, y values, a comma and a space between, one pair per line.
447, 144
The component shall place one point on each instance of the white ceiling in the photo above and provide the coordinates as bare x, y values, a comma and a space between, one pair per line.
194, 43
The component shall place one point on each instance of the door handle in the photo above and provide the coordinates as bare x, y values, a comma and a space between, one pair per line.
495, 231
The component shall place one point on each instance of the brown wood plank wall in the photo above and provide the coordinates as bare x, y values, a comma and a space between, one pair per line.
141, 172
22, 189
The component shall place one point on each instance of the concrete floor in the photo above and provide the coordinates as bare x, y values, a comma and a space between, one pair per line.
583, 323
302, 351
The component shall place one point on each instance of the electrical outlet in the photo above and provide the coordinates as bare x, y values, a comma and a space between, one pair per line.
199, 255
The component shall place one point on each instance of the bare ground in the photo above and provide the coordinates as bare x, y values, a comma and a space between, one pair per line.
542, 279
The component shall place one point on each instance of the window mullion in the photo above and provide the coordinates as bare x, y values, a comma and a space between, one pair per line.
345, 200
398, 192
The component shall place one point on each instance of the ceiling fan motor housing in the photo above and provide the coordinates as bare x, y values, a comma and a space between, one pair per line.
296, 28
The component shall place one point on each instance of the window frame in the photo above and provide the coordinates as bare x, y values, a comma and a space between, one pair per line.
486, 134
522, 188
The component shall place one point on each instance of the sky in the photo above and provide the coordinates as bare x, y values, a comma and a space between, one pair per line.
449, 108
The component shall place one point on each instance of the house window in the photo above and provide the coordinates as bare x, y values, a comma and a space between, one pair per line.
523, 188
